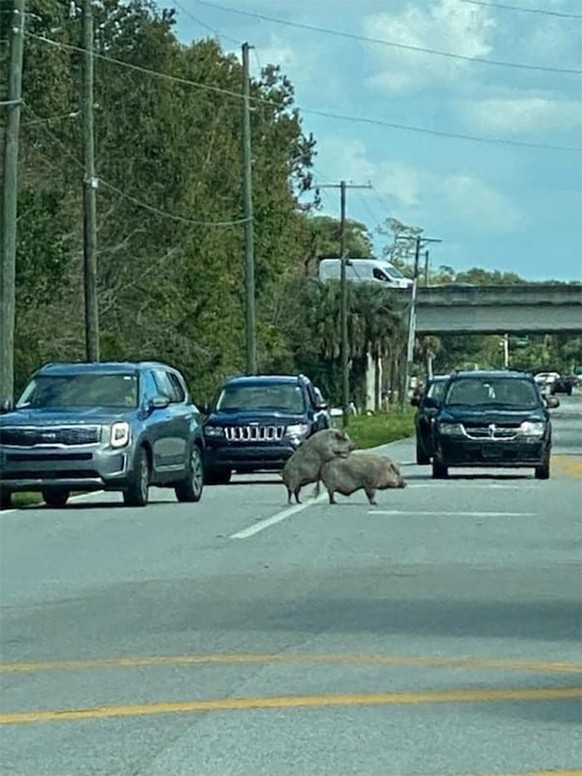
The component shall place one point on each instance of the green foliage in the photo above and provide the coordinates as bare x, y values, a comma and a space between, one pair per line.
381, 429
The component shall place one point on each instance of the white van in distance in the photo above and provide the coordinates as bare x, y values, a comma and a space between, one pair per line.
364, 271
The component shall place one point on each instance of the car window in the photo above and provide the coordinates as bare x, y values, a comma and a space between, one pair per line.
117, 391
285, 397
492, 390
150, 387
165, 386
177, 387
436, 390
379, 275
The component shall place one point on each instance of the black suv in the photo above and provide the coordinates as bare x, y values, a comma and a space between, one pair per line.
255, 423
112, 426
494, 419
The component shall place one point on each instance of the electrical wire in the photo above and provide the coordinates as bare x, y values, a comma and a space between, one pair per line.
506, 7
392, 44
314, 112
214, 30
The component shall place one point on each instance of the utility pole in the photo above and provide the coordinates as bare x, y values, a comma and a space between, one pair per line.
343, 186
420, 242
10, 204
250, 315
426, 254
90, 184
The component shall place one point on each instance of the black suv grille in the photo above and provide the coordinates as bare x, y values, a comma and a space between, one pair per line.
60, 435
491, 430
254, 433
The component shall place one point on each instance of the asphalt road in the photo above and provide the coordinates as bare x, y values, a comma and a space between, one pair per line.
437, 633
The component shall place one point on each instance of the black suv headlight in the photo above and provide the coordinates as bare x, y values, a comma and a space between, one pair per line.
532, 428
297, 429
213, 431
451, 429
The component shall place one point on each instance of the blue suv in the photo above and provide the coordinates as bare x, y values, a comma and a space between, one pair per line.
102, 426
256, 423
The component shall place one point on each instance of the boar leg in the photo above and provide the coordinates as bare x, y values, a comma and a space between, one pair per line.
331, 494
371, 494
296, 492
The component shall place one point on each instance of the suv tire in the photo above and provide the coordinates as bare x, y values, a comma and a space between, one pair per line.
190, 489
439, 471
543, 472
218, 476
5, 499
55, 499
137, 492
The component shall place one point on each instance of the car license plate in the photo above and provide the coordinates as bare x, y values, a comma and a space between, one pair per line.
492, 451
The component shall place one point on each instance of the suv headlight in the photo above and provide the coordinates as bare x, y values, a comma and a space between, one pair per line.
213, 431
297, 429
451, 429
532, 428
119, 435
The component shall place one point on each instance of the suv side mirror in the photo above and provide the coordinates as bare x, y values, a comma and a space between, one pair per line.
158, 402
203, 408
431, 403
415, 401
7, 406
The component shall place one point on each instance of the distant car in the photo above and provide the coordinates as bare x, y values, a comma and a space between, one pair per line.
554, 382
102, 426
425, 415
492, 419
255, 423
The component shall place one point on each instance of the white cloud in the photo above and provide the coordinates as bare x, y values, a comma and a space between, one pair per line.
523, 114
447, 26
415, 192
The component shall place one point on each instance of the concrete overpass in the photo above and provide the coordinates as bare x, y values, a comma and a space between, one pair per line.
542, 308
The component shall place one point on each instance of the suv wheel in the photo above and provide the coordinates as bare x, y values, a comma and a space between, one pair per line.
137, 492
218, 476
191, 488
5, 499
439, 471
543, 472
422, 459
55, 499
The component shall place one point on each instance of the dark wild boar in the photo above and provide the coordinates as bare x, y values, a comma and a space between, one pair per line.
304, 466
360, 472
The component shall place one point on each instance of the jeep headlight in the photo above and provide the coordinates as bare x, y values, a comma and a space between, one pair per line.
213, 431
297, 429
119, 435
532, 428
451, 429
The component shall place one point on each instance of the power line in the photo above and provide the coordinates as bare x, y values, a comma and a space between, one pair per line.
544, 11
50, 119
392, 44
314, 112
214, 30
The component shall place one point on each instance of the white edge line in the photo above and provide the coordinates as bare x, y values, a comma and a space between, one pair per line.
274, 519
451, 514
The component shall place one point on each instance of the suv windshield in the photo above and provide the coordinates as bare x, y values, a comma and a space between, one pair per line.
436, 390
118, 391
288, 398
493, 390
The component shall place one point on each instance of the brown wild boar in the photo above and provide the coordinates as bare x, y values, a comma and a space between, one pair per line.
304, 466
360, 472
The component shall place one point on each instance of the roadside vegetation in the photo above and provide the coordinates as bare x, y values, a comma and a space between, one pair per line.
380, 428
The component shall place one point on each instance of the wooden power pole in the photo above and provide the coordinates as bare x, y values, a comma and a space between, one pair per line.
8, 228
345, 345
250, 315
90, 184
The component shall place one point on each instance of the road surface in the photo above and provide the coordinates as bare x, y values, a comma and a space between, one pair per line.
437, 633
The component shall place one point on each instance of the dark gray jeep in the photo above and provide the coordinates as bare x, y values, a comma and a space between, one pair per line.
102, 426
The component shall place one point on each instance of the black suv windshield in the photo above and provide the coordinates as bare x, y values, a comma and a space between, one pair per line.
115, 391
493, 390
287, 398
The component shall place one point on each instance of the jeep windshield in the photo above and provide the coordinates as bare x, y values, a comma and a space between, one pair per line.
283, 398
510, 392
68, 392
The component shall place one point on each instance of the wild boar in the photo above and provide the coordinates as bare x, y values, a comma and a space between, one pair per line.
360, 472
304, 466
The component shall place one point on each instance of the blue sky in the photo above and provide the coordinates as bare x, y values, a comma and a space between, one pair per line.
494, 206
